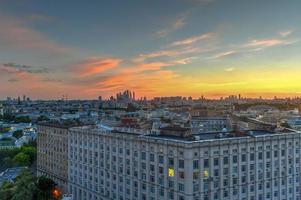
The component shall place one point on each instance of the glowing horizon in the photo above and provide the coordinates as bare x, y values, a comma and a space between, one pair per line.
200, 47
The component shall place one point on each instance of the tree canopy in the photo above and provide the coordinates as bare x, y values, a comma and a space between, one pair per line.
28, 187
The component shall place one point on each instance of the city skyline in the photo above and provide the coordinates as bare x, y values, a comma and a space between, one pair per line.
189, 48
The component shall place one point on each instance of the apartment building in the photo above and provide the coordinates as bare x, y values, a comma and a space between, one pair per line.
124, 164
52, 151
209, 124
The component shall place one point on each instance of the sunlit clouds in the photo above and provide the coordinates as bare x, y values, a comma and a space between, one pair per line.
192, 40
193, 48
94, 66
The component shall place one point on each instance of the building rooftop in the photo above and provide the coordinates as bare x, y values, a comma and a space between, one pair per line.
10, 174
63, 124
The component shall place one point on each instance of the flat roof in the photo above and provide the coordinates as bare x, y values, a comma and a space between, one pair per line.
210, 136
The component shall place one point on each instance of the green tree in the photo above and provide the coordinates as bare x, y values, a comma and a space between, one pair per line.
31, 152
28, 187
25, 186
6, 157
45, 188
17, 134
4, 129
23, 119
22, 159
42, 118
6, 191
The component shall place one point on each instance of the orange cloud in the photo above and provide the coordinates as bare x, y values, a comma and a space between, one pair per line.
153, 66
97, 65
144, 83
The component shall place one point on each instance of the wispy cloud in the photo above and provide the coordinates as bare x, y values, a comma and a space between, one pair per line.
96, 66
255, 45
286, 33
184, 61
223, 54
16, 33
15, 74
265, 43
156, 54
175, 25
192, 40
17, 68
230, 69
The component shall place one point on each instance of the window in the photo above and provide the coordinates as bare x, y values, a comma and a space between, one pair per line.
234, 159
181, 187
206, 163
171, 172
226, 160
161, 159
170, 161
170, 184
181, 164
260, 155
152, 157
195, 164
252, 156
181, 175
143, 155
243, 157
215, 161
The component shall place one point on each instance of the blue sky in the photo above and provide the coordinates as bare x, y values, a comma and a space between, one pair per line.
170, 47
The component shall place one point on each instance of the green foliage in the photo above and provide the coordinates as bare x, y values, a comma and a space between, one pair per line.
22, 119
31, 152
4, 129
8, 117
8, 156
45, 187
25, 187
42, 118
22, 159
17, 134
28, 187
13, 118
32, 143
6, 191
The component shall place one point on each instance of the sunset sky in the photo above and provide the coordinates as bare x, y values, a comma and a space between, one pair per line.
214, 48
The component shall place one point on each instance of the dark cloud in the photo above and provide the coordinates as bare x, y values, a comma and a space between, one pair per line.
52, 80
12, 80
24, 68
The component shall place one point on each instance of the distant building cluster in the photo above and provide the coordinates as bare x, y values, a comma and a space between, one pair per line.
131, 148
175, 148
